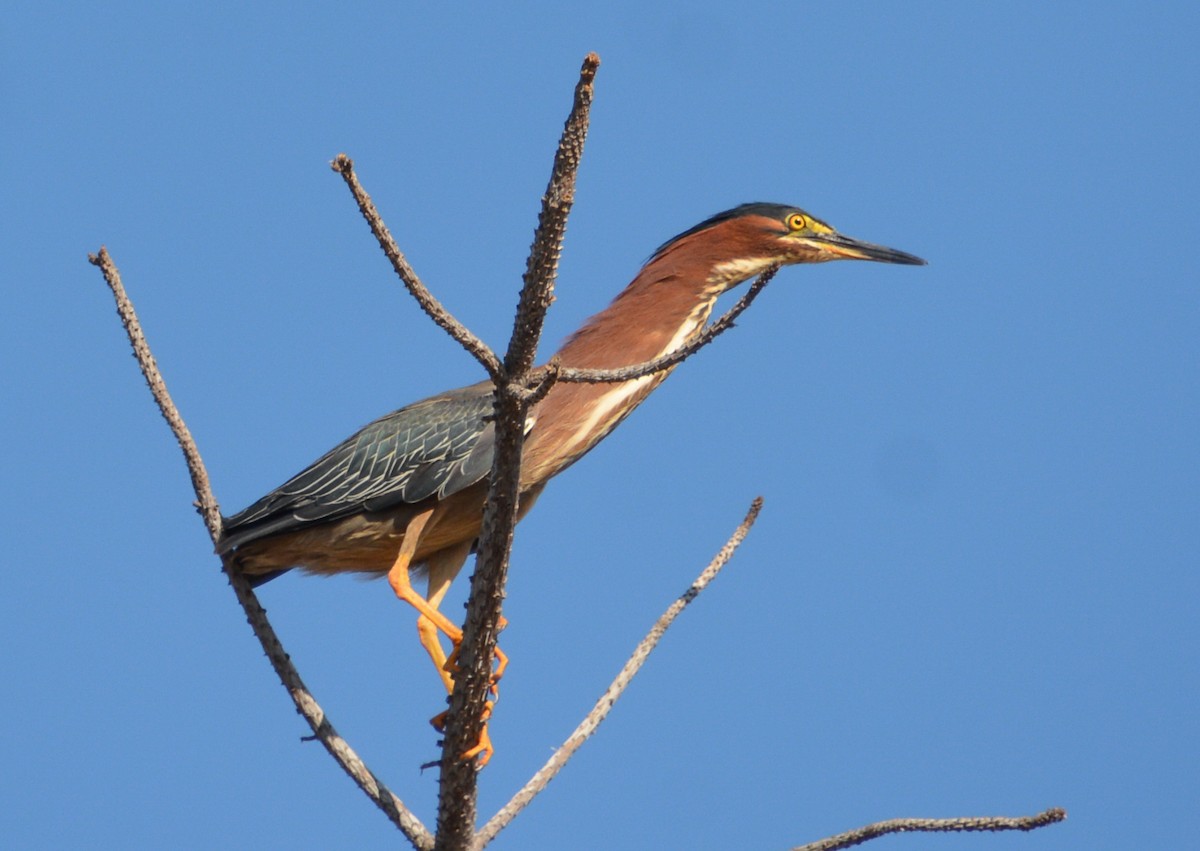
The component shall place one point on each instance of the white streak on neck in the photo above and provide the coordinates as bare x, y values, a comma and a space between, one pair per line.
730, 272
607, 410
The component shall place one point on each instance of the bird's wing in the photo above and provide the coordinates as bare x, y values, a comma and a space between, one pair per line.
435, 447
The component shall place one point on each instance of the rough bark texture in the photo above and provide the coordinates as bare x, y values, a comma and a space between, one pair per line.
464, 721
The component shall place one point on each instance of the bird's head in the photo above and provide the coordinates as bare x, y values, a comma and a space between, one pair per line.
742, 242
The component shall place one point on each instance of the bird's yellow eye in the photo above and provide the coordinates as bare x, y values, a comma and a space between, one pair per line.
796, 221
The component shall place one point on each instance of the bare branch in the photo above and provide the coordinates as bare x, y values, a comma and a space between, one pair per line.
205, 502
934, 825
542, 267
344, 166
604, 705
671, 359
256, 616
468, 703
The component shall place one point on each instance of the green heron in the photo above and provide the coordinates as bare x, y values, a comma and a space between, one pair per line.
407, 491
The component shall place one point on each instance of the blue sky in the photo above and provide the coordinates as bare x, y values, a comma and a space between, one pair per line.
971, 591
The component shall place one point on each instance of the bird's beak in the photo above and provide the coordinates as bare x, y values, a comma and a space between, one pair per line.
853, 249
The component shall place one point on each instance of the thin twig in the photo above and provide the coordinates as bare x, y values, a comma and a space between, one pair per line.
344, 166
540, 381
256, 616
464, 721
934, 825
604, 705
710, 333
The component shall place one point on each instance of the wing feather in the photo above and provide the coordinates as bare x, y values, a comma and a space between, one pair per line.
437, 446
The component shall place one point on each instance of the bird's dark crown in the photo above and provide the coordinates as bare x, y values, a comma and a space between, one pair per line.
779, 212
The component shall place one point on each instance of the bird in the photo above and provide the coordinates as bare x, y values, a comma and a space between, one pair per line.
405, 494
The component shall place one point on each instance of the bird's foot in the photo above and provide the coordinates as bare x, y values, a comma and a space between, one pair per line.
450, 668
483, 749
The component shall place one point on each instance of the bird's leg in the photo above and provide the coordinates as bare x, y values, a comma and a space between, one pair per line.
401, 583
431, 641
443, 567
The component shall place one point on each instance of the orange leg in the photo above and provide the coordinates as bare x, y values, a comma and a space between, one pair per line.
399, 579
443, 567
430, 621
428, 633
